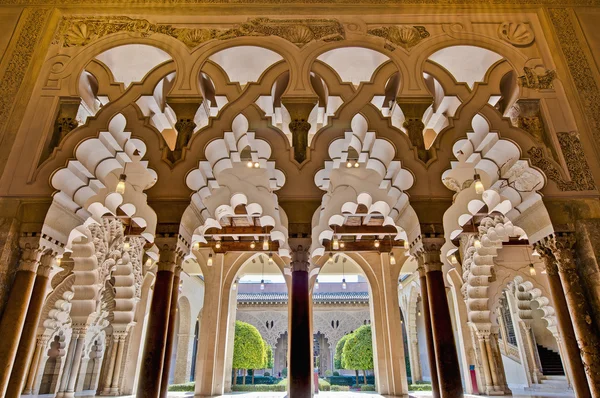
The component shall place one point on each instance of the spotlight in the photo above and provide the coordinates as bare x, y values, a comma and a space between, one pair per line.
266, 244
317, 284
256, 165
376, 243
252, 245
406, 245
121, 184
478, 184
330, 259
532, 270
392, 259
249, 164
342, 244
218, 244
209, 262
336, 244
344, 284
356, 164
262, 284
349, 164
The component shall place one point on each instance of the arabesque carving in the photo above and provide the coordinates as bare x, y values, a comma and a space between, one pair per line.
577, 165
401, 35
80, 31
531, 79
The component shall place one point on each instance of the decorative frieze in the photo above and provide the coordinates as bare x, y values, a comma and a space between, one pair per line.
404, 36
80, 31
579, 66
577, 165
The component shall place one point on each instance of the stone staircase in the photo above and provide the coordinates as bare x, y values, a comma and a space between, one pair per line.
551, 362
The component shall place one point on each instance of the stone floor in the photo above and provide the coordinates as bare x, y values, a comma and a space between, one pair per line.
420, 394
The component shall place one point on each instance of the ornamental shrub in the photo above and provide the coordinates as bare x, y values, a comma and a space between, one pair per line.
324, 385
340, 388
367, 387
182, 387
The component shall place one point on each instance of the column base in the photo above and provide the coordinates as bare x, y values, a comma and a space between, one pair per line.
494, 392
110, 392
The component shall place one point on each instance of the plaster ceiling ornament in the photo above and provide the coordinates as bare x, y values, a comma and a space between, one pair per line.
236, 181
534, 80
519, 34
404, 36
80, 31
510, 185
363, 180
581, 178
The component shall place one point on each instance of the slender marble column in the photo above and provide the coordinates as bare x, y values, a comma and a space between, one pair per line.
535, 372
111, 366
572, 357
114, 388
33, 368
586, 332
429, 333
14, 315
28, 343
156, 335
66, 370
164, 384
485, 362
300, 337
450, 380
77, 354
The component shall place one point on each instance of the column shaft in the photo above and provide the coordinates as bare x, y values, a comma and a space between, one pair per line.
156, 336
118, 364
66, 370
28, 341
485, 362
300, 343
429, 338
492, 362
33, 368
164, 384
76, 364
111, 366
572, 357
12, 322
445, 349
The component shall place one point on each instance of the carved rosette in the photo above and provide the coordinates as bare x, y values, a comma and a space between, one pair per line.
80, 31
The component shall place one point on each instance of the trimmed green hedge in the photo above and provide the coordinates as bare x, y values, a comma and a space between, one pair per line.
340, 388
367, 387
349, 380
257, 380
419, 387
183, 387
259, 387
324, 385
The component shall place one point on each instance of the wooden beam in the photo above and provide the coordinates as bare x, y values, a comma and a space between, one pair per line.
240, 246
364, 246
365, 230
250, 231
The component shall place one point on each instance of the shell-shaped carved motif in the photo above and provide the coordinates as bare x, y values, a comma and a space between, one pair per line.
516, 33
79, 35
299, 35
401, 35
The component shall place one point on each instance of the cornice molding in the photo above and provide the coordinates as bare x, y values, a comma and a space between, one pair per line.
237, 3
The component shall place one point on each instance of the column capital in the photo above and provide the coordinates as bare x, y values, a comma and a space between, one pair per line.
430, 253
300, 258
169, 255
547, 257
299, 109
562, 246
31, 254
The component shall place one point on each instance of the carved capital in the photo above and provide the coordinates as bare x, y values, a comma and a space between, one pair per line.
547, 257
31, 254
563, 247
300, 259
413, 110
430, 254
168, 254
531, 79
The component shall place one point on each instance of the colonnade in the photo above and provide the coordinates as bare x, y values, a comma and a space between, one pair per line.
19, 345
